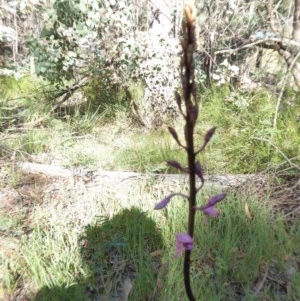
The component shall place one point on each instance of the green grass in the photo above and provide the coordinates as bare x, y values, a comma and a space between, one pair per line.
105, 97
127, 241
91, 243
21, 101
245, 141
148, 152
232, 252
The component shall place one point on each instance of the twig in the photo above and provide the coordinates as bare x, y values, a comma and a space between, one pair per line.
280, 151
260, 283
292, 212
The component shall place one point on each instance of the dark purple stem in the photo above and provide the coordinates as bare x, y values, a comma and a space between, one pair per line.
192, 203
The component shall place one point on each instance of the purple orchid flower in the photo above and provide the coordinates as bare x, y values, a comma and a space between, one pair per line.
183, 241
209, 208
164, 202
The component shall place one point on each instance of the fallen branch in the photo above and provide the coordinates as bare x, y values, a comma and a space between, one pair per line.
67, 94
95, 177
279, 41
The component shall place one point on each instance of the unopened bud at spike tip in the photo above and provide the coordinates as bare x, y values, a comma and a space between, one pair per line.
190, 13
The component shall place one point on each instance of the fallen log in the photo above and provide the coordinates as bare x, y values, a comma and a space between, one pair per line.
92, 176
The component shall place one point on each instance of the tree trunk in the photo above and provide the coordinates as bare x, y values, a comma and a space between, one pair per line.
296, 22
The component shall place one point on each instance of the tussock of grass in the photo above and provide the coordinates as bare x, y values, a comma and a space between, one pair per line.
245, 141
127, 241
